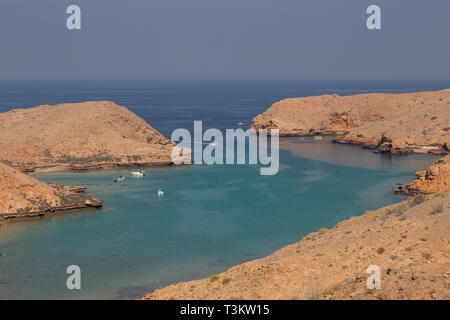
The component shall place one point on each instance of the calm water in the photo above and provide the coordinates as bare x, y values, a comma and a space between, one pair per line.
212, 217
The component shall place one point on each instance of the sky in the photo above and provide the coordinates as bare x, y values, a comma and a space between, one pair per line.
226, 39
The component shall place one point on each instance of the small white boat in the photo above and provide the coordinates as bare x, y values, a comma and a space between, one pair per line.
240, 123
318, 138
160, 193
139, 173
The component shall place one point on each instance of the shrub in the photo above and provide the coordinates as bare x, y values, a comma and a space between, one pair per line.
380, 250
214, 277
423, 239
322, 230
225, 280
307, 238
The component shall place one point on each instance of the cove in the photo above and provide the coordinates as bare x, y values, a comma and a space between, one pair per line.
211, 218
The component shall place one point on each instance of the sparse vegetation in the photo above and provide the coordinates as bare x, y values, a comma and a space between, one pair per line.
225, 280
438, 209
423, 239
400, 209
322, 230
307, 238
329, 292
6, 162
214, 277
381, 250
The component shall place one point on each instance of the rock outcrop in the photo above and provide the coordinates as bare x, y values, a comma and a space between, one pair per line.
97, 134
25, 196
408, 241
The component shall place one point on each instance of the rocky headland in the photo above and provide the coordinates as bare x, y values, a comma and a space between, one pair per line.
409, 241
24, 196
79, 136
387, 123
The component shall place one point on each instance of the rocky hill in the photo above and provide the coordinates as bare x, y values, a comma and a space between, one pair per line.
409, 241
412, 122
25, 196
96, 134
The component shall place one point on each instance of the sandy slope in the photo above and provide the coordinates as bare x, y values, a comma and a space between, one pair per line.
409, 241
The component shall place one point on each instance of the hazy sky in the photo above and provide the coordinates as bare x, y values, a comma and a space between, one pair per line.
179, 39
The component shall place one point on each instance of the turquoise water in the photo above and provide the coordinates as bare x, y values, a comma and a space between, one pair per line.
211, 218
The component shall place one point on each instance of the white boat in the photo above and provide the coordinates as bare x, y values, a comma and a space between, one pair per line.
138, 173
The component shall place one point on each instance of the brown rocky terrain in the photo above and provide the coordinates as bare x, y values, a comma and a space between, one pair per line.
25, 196
409, 241
96, 134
